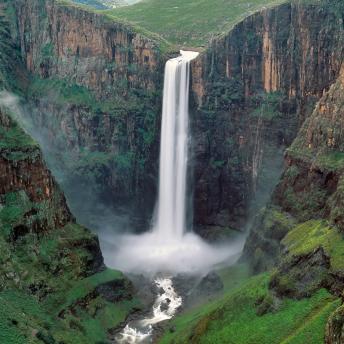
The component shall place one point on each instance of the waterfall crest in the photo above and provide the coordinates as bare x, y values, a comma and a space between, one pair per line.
171, 212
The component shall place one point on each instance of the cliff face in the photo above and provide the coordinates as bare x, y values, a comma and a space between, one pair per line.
22, 168
68, 42
52, 275
50, 268
252, 90
95, 94
299, 233
314, 162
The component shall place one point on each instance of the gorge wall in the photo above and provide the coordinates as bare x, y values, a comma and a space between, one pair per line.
253, 88
95, 90
52, 274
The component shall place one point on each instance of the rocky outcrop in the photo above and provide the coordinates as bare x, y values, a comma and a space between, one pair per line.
22, 170
335, 327
301, 276
310, 187
315, 162
47, 259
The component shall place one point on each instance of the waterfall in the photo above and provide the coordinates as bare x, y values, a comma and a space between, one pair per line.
168, 248
171, 213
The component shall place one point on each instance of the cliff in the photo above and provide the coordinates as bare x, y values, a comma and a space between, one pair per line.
95, 92
51, 268
63, 41
253, 89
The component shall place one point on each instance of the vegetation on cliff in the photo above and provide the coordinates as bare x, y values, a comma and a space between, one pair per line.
52, 278
54, 287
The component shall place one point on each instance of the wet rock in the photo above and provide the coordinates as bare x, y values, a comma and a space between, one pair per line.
115, 291
210, 284
165, 305
335, 327
300, 276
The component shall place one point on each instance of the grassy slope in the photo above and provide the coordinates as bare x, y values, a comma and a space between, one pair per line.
189, 23
52, 262
236, 318
233, 319
42, 275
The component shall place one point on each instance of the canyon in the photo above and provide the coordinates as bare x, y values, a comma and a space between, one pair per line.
266, 155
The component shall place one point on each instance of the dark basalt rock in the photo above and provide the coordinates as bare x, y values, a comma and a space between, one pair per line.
210, 284
300, 276
115, 291
96, 261
335, 327
164, 305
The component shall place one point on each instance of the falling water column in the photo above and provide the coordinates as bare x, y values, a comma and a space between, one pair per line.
171, 207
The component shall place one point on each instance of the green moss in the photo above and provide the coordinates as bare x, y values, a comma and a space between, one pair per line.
332, 160
307, 204
263, 245
14, 140
83, 287
65, 92
310, 235
49, 272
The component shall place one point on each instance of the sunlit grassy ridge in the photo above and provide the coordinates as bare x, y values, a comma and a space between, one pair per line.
189, 23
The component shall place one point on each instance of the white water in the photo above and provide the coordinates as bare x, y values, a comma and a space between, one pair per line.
164, 308
169, 247
170, 222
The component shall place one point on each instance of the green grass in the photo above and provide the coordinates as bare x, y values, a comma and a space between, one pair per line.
308, 236
189, 23
233, 276
12, 137
234, 319
62, 92
54, 263
20, 315
83, 287
332, 161
47, 289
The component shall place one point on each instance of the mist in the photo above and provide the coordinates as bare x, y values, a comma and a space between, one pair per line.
150, 253
82, 197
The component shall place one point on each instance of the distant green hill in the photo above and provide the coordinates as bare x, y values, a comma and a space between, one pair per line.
93, 3
189, 23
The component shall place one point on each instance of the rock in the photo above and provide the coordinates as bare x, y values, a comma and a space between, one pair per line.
335, 327
165, 305
117, 290
232, 150
210, 284
300, 276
